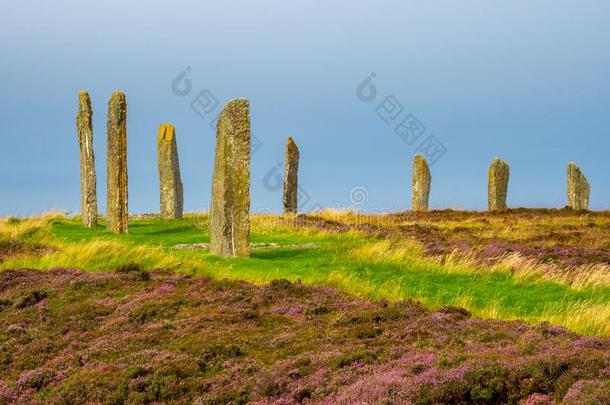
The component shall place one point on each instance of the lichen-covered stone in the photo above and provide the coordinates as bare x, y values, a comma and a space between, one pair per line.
84, 131
497, 183
421, 184
230, 210
578, 188
170, 183
116, 211
291, 173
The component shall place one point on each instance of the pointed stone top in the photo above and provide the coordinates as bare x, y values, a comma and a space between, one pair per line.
573, 167
292, 144
166, 133
419, 157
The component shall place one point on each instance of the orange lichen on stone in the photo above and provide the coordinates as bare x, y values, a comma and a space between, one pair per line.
170, 183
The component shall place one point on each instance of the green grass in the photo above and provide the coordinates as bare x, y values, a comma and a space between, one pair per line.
492, 294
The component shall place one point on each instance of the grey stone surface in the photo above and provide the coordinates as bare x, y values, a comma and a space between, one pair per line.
230, 211
498, 176
421, 184
578, 188
116, 211
291, 174
88, 181
170, 183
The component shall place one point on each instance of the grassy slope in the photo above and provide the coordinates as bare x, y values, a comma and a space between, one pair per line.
338, 262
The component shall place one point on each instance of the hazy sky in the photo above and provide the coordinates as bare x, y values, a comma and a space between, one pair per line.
528, 81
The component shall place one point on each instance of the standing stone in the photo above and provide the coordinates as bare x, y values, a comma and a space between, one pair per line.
497, 184
84, 131
578, 188
421, 184
169, 173
291, 174
230, 211
116, 210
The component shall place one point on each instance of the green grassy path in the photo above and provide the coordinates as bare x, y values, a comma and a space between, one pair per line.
486, 294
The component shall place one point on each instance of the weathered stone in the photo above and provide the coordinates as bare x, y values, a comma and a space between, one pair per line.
170, 183
116, 210
84, 131
578, 188
421, 184
291, 174
497, 184
230, 210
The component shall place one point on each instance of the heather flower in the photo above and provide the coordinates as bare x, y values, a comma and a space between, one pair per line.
165, 289
7, 394
34, 379
537, 399
586, 342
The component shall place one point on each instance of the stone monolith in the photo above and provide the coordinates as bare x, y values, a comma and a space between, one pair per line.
84, 131
230, 210
421, 184
291, 174
497, 183
170, 183
116, 211
578, 188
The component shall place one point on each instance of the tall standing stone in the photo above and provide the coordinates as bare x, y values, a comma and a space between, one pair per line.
578, 188
497, 183
230, 211
291, 174
116, 211
169, 173
421, 184
84, 131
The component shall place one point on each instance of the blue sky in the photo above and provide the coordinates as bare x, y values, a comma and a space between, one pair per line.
525, 81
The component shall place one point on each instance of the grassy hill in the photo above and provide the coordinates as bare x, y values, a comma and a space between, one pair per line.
445, 307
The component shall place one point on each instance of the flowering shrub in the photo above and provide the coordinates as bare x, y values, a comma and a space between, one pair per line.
119, 337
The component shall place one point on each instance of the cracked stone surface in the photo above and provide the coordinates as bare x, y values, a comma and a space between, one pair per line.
421, 184
116, 211
84, 130
498, 176
291, 174
578, 188
170, 182
230, 210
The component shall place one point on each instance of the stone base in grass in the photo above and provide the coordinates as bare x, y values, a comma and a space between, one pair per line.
253, 246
